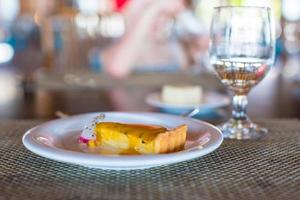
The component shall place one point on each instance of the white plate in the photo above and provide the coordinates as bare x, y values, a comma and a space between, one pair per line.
57, 140
210, 100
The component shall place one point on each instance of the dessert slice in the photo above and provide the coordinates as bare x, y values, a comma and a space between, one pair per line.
182, 95
139, 139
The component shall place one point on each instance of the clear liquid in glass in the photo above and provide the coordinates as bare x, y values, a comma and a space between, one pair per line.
240, 74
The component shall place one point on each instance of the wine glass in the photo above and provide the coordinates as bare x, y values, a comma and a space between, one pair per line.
241, 52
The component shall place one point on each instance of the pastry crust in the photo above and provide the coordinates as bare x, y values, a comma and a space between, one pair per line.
170, 141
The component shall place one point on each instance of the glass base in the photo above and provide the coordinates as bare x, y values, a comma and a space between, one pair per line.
242, 129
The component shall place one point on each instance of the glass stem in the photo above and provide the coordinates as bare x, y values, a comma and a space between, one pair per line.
239, 104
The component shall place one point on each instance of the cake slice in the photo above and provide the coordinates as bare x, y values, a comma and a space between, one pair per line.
182, 95
139, 139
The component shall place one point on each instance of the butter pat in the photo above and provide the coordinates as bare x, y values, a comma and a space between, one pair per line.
182, 95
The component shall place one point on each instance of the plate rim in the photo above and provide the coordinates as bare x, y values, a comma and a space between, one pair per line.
68, 156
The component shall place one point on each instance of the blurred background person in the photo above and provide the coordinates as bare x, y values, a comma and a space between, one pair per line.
152, 41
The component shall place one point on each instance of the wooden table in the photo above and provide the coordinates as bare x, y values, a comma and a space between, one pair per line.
274, 97
264, 169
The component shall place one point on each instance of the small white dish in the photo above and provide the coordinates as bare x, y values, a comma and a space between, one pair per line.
58, 140
211, 100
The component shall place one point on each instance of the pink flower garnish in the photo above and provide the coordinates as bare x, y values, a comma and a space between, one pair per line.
83, 140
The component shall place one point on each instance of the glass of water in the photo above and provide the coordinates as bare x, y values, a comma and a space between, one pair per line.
241, 52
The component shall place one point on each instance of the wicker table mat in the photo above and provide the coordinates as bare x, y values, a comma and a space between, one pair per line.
266, 169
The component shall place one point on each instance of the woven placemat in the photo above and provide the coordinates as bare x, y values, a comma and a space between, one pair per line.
265, 169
